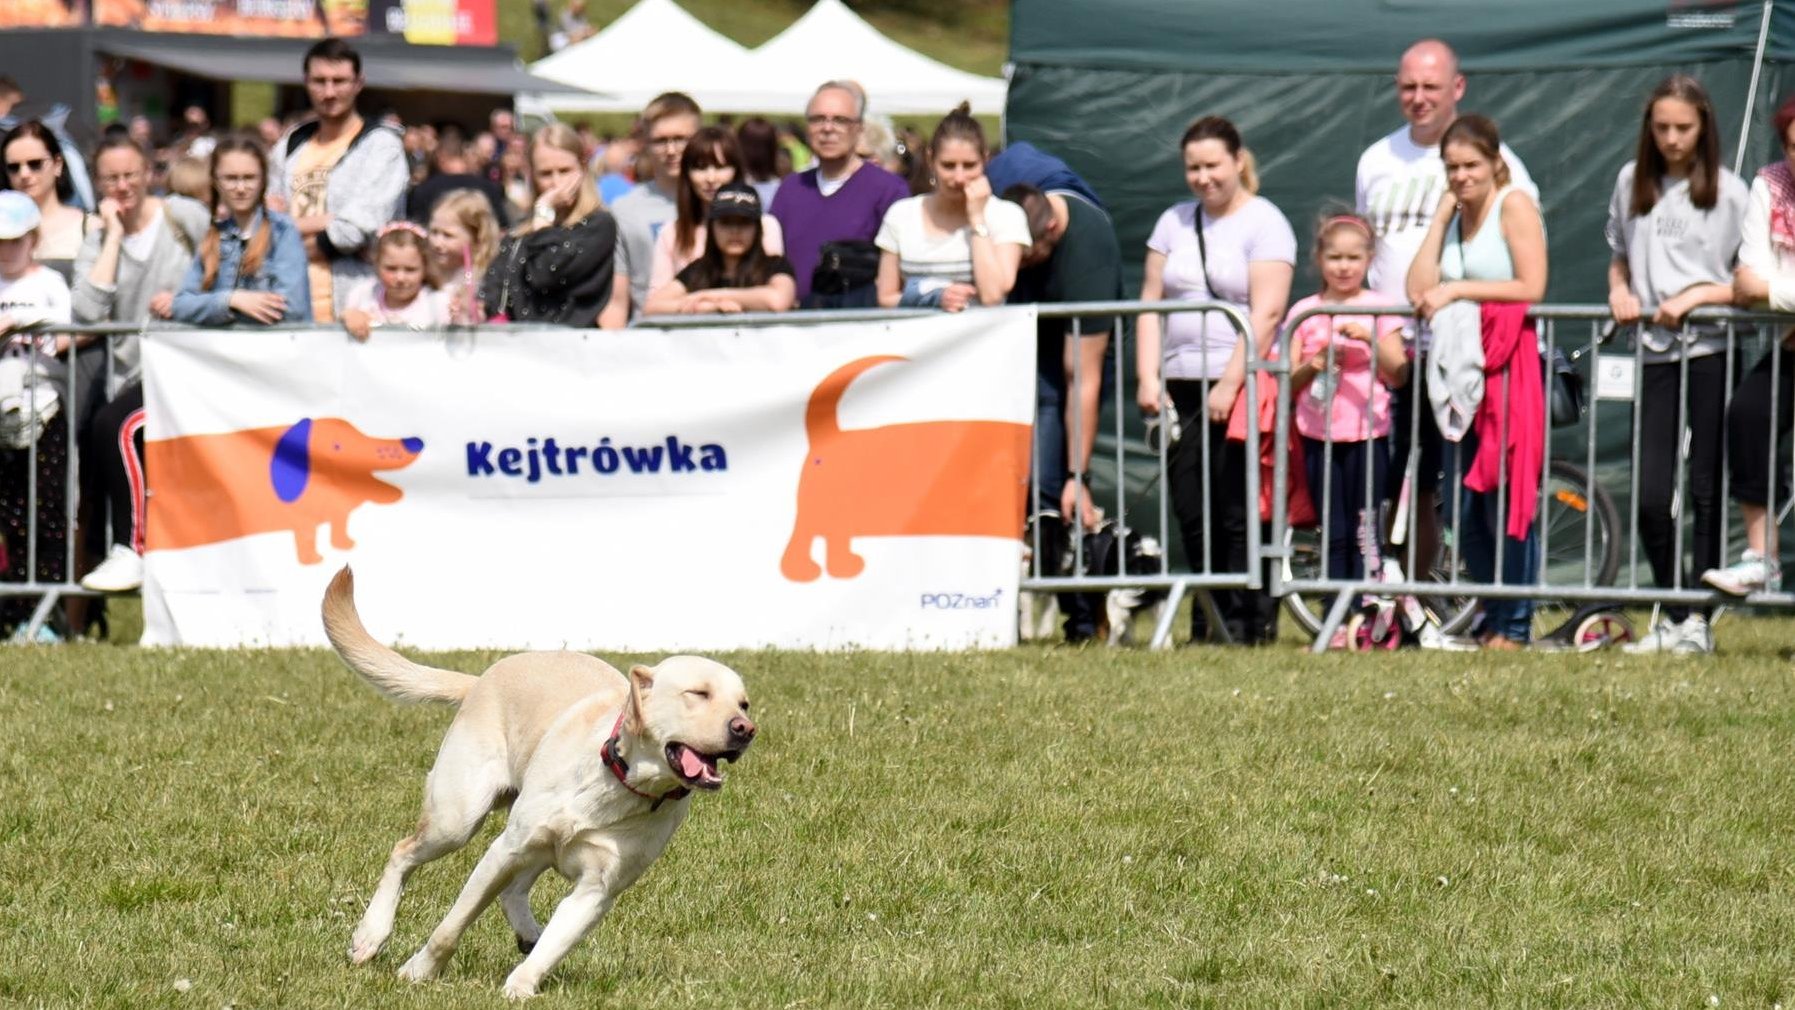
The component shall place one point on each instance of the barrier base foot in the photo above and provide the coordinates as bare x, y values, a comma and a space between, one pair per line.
1336, 615
1162, 632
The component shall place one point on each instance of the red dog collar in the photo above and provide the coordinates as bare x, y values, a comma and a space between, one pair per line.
619, 768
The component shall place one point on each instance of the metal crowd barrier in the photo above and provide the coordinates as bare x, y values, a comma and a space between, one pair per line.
40, 380
1109, 469
1599, 569
1110, 473
1580, 543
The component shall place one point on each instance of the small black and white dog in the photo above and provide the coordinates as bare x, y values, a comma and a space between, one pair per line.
1140, 555
1111, 549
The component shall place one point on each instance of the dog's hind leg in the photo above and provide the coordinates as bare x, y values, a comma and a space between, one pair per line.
451, 817
515, 900
840, 560
796, 563
305, 543
504, 860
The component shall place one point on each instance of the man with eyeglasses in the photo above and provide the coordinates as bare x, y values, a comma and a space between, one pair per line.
668, 121
339, 176
830, 213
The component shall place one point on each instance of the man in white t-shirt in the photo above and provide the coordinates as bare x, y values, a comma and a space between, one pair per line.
1400, 177
1397, 188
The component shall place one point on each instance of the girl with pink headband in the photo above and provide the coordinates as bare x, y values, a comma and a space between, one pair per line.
400, 293
1341, 385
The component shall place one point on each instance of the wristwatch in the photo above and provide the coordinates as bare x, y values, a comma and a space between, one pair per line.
982, 230
545, 213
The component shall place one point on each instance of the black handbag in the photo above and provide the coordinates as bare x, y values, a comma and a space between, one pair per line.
843, 266
1564, 389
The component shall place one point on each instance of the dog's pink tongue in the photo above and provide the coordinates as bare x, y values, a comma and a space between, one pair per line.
689, 763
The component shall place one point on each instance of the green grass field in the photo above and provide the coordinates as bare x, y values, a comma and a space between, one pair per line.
1032, 828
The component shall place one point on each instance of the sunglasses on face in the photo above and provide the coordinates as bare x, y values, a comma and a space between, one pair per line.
33, 165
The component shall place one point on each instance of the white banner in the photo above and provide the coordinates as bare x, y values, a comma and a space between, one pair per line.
815, 486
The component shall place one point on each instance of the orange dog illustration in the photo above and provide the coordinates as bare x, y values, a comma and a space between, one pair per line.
209, 488
930, 478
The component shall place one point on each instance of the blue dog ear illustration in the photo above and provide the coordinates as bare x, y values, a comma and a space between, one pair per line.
292, 463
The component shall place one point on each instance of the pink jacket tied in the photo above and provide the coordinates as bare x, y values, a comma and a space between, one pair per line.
1512, 377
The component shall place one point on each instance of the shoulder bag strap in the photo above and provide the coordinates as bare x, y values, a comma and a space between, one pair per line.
1458, 233
1203, 250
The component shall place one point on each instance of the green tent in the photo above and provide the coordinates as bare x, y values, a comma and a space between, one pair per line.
1109, 85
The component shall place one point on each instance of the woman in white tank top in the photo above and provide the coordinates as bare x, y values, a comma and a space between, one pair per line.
1486, 244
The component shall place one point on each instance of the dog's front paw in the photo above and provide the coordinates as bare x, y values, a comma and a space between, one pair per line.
421, 968
365, 944
519, 988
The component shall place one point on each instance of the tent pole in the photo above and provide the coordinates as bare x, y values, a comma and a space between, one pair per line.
1751, 95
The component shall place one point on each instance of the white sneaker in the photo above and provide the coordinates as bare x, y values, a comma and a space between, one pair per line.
1696, 638
1431, 637
121, 572
1686, 638
1752, 573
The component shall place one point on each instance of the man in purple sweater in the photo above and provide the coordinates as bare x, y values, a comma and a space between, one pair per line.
831, 213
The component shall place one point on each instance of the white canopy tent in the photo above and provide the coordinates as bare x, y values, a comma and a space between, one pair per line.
830, 41
656, 47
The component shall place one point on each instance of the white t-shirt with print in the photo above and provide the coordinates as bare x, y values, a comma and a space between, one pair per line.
1398, 189
1198, 344
39, 295
949, 257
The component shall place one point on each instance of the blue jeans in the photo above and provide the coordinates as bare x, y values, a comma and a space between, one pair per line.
1342, 473
1480, 514
1080, 609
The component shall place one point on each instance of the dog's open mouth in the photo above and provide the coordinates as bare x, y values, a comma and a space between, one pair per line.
695, 769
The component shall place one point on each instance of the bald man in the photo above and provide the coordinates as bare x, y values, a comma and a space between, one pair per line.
1401, 177
1399, 183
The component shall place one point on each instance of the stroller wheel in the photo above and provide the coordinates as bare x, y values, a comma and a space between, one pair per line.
1598, 631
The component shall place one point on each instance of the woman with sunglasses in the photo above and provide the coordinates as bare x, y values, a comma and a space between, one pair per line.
34, 165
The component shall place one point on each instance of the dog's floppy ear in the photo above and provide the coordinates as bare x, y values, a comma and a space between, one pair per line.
291, 466
641, 681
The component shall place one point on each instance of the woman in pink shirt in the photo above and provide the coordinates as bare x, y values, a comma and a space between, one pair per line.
1342, 402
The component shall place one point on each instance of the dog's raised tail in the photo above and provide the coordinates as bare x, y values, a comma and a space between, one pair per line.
394, 676
819, 415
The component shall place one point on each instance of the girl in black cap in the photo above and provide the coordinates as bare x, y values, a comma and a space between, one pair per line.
735, 274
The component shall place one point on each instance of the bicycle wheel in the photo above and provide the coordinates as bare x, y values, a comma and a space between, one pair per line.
1305, 560
1581, 531
1454, 613
1581, 528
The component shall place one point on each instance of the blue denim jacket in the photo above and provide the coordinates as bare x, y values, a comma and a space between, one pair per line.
283, 271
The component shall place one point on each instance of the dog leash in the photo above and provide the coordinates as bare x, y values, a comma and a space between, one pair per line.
620, 768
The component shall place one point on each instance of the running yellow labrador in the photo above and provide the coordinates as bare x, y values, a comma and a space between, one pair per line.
526, 735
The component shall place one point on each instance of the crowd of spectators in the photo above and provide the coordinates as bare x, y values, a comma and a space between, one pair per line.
369, 223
